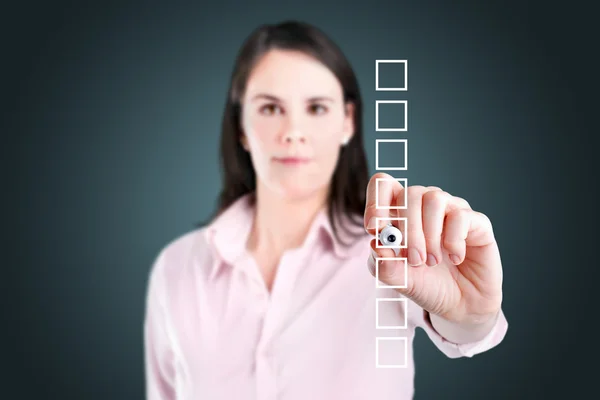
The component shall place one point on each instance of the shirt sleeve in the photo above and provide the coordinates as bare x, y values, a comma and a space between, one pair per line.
159, 370
453, 350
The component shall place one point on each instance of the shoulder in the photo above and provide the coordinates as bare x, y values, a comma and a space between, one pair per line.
179, 252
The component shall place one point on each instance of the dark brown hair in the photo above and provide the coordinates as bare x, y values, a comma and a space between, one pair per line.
347, 191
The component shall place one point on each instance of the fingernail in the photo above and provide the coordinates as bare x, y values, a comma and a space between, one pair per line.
431, 260
455, 260
414, 258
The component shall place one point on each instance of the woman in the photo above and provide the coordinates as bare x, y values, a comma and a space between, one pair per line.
271, 299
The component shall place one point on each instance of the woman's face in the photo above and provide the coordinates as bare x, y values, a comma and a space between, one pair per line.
294, 122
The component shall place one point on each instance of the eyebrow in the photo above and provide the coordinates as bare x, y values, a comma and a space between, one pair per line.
277, 99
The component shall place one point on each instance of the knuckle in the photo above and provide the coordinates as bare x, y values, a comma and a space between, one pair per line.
464, 203
414, 193
485, 218
435, 197
416, 190
458, 213
452, 243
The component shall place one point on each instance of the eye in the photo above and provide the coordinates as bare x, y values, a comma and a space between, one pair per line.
390, 236
317, 109
270, 109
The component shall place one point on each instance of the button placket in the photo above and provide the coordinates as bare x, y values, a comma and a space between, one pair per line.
266, 381
276, 303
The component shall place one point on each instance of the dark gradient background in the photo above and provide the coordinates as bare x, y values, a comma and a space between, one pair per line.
110, 127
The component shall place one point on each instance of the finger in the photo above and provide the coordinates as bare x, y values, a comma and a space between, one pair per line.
414, 232
381, 192
435, 204
458, 202
458, 224
386, 251
391, 272
478, 233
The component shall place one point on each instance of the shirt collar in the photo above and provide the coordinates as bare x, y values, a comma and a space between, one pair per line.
229, 232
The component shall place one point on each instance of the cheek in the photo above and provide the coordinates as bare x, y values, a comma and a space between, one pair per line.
328, 137
264, 126
261, 133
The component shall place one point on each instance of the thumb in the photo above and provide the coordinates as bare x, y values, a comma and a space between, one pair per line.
391, 267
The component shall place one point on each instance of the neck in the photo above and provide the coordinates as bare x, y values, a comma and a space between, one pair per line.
281, 223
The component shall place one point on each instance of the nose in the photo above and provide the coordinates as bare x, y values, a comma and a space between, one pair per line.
293, 131
294, 136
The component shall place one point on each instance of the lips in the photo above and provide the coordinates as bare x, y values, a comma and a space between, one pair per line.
292, 160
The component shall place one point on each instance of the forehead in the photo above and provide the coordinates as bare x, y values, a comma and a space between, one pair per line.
292, 74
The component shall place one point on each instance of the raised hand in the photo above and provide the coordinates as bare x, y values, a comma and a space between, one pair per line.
454, 266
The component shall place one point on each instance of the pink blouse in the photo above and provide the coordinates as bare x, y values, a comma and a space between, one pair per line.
327, 330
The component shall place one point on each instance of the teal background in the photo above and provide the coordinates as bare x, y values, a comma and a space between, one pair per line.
111, 116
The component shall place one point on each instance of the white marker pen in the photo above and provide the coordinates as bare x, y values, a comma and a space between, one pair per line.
390, 235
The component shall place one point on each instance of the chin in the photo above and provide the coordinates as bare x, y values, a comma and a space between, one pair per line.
293, 191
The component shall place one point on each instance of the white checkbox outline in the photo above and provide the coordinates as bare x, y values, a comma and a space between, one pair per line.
385, 286
403, 129
395, 299
405, 185
378, 168
401, 338
378, 89
404, 232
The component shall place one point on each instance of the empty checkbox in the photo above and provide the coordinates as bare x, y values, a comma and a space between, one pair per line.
385, 185
391, 75
391, 352
391, 154
391, 313
401, 263
391, 115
